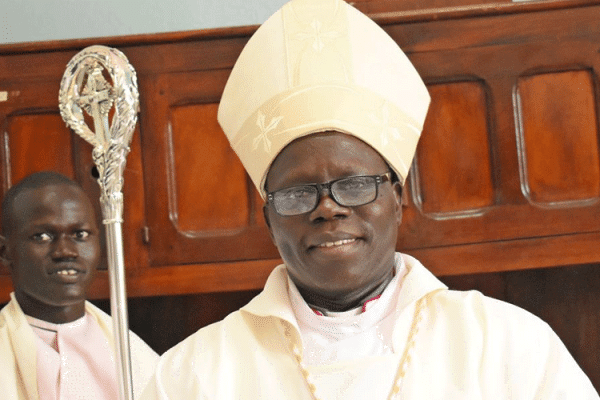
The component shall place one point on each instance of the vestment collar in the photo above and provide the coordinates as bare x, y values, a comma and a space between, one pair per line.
274, 300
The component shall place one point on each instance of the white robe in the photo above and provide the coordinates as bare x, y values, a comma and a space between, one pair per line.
468, 347
18, 353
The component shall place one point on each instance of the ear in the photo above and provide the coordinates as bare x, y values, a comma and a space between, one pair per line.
399, 203
5, 257
267, 221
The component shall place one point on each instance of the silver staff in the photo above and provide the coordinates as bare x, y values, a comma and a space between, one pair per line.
86, 87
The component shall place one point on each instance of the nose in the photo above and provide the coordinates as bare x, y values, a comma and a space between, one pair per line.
64, 247
328, 209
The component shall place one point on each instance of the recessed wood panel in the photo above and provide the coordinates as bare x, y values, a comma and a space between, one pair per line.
453, 176
558, 138
37, 142
201, 205
208, 186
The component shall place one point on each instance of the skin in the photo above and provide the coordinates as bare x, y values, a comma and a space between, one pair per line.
53, 229
340, 277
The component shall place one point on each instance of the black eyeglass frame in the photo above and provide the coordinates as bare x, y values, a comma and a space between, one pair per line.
379, 179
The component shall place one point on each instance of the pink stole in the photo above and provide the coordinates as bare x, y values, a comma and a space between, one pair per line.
74, 361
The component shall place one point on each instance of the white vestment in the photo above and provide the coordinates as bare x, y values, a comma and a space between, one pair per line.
468, 346
19, 347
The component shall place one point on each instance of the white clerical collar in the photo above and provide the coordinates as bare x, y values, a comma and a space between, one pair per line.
369, 313
49, 326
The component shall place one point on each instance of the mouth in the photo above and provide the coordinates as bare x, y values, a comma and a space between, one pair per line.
67, 274
337, 243
69, 271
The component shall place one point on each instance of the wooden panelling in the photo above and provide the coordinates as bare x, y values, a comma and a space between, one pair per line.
505, 52
35, 142
558, 138
506, 177
193, 221
452, 170
208, 189
202, 206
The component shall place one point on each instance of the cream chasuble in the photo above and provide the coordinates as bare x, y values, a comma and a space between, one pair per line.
21, 347
468, 347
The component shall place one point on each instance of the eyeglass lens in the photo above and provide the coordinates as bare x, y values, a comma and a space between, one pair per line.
347, 192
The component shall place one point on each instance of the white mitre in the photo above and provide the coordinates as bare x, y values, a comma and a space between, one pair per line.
315, 66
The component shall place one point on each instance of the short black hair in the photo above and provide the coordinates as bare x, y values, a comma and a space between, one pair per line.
33, 181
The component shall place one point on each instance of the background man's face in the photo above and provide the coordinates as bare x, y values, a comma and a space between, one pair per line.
368, 232
53, 248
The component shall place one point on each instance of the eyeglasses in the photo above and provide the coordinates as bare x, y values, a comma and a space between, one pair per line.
347, 192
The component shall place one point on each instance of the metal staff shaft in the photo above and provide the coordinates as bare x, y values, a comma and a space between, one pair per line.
118, 307
86, 86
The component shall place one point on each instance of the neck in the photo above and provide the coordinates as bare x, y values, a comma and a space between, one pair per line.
339, 302
49, 313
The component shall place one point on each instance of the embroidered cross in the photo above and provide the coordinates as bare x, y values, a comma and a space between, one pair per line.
317, 35
264, 130
384, 122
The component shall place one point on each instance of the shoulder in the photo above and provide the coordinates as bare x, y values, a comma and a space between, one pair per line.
519, 346
224, 352
17, 350
139, 347
495, 332
3, 316
225, 342
487, 316
236, 327
481, 306
12, 317
180, 368
98, 314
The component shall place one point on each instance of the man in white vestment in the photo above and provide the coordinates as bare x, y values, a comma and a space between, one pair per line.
325, 112
53, 343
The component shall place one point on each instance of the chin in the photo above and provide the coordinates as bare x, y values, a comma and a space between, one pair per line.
71, 297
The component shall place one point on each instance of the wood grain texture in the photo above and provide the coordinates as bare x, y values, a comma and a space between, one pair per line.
452, 171
503, 199
193, 221
209, 185
558, 138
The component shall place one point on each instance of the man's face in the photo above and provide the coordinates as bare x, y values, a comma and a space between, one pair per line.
334, 250
53, 248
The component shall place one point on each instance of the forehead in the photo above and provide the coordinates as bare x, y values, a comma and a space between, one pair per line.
323, 154
59, 201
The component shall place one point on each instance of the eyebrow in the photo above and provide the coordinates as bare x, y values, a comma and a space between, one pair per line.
51, 227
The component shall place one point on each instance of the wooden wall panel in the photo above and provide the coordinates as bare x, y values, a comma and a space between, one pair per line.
208, 190
35, 142
473, 59
558, 138
202, 207
452, 169
503, 53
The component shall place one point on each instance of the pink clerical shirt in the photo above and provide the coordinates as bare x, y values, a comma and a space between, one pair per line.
74, 361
